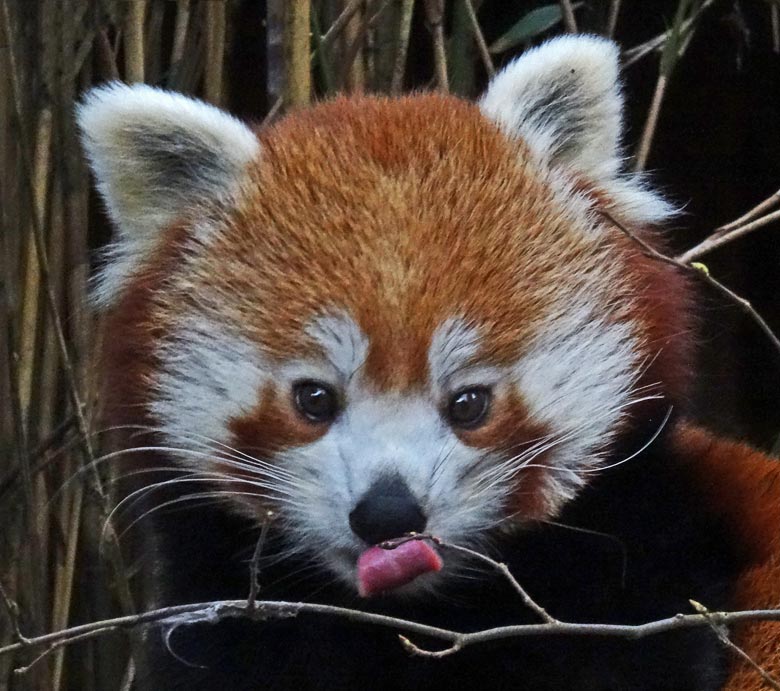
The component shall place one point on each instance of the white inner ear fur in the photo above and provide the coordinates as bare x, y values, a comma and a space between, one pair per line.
564, 100
155, 156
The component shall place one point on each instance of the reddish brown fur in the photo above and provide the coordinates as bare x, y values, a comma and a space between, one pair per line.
744, 485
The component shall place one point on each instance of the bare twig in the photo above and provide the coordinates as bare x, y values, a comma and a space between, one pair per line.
496, 565
434, 11
650, 124
254, 565
569, 21
722, 633
768, 203
264, 610
340, 23
703, 273
12, 610
721, 237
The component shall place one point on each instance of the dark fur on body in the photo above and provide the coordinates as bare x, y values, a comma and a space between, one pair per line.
666, 546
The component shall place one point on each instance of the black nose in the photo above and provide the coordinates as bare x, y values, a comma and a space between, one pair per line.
388, 510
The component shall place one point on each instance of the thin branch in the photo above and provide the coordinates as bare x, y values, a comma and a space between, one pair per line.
263, 610
758, 209
569, 21
648, 132
703, 273
722, 633
500, 567
720, 238
340, 23
479, 37
297, 63
254, 565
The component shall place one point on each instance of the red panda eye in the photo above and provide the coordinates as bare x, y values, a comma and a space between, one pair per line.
468, 408
315, 401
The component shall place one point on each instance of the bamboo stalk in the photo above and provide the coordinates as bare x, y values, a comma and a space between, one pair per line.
31, 289
404, 30
434, 10
297, 51
353, 41
215, 50
179, 38
569, 20
612, 18
134, 41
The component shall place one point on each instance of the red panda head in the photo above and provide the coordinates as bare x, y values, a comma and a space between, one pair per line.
380, 316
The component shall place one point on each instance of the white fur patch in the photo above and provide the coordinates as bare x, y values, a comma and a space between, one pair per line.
577, 378
208, 376
344, 343
157, 156
453, 346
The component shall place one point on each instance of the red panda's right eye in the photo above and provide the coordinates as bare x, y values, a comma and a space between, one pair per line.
315, 401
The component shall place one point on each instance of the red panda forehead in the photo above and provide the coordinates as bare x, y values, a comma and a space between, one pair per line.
402, 214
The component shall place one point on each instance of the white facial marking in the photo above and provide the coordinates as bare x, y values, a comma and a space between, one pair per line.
376, 435
207, 376
453, 345
345, 345
577, 378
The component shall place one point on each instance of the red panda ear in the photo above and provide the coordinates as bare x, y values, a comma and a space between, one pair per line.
157, 155
564, 100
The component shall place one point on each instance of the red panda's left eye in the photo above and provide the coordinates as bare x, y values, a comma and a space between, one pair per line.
469, 407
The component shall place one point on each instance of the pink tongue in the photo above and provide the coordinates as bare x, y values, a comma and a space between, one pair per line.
384, 569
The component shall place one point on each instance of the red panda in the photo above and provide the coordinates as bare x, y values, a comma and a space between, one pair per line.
381, 316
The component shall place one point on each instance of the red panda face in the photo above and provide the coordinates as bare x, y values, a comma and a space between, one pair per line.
385, 316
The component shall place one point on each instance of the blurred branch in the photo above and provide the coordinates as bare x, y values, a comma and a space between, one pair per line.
179, 38
404, 29
434, 11
675, 44
612, 17
569, 21
479, 37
